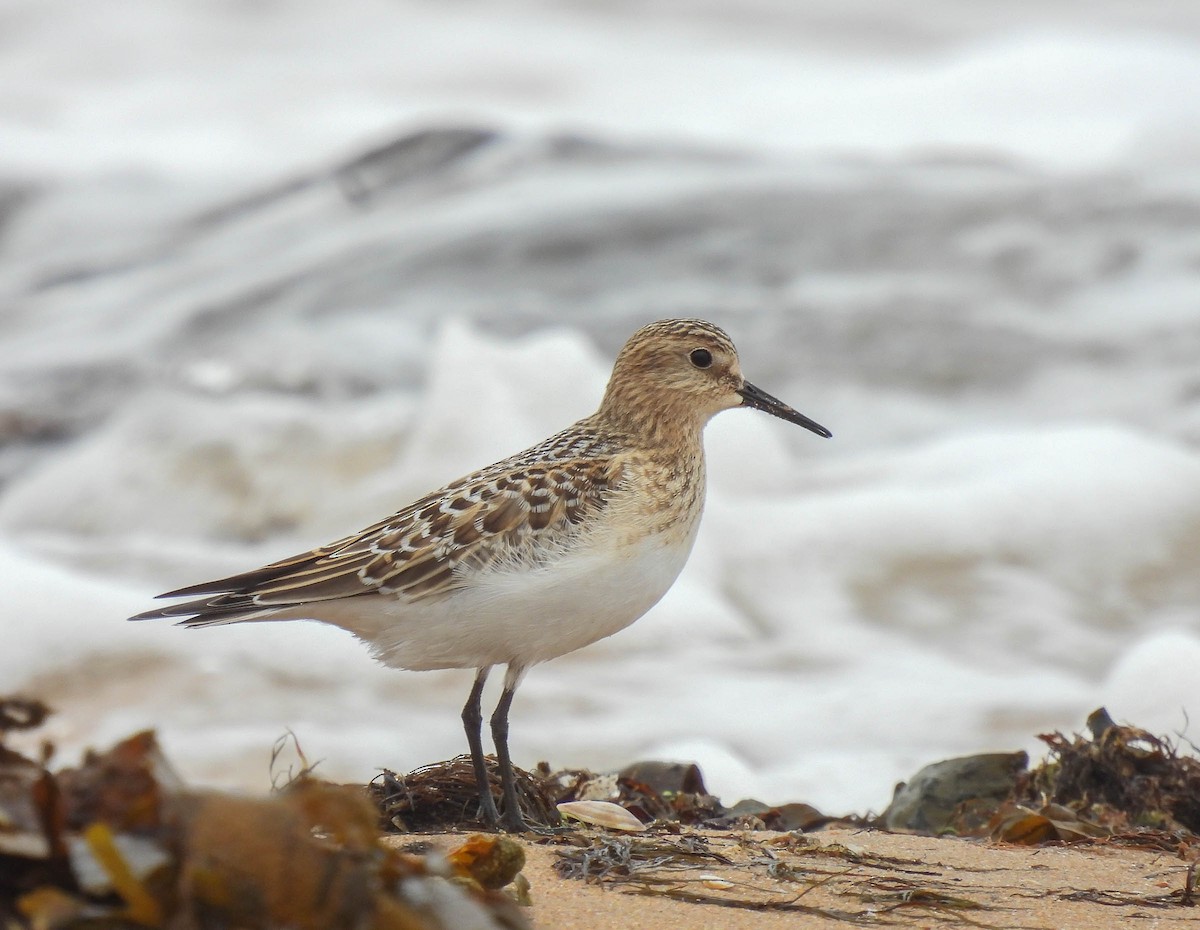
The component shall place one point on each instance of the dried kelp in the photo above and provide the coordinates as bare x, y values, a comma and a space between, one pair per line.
1184, 896
1016, 823
444, 796
779, 873
1120, 779
922, 901
680, 868
604, 858
812, 849
745, 897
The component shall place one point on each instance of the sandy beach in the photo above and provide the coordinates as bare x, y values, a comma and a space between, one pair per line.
122, 838
847, 877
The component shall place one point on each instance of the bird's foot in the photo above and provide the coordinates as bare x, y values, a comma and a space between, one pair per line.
514, 822
488, 812
511, 821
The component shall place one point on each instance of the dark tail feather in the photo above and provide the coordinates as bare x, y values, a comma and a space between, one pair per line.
242, 582
229, 608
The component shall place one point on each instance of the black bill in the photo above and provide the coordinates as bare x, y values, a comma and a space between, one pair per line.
761, 400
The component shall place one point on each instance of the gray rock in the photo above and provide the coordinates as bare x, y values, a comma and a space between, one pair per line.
930, 799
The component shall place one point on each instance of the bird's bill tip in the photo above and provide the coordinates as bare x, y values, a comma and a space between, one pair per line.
758, 399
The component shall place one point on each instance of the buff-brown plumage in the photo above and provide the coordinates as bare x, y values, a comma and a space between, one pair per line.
517, 513
521, 512
532, 557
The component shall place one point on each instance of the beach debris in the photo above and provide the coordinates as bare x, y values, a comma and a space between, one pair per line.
715, 882
784, 818
810, 847
1122, 778
1120, 784
443, 796
283, 770
490, 861
119, 842
745, 897
1016, 823
931, 900
603, 857
955, 795
760, 872
674, 793
670, 791
601, 786
1177, 897
667, 779
601, 814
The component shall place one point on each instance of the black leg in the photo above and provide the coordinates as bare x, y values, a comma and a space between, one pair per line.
513, 819
472, 718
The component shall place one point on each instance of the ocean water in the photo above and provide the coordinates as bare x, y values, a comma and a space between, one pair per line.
270, 272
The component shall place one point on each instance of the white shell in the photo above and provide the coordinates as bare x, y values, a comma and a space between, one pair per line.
602, 814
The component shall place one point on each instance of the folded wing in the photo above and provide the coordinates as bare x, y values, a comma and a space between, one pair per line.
512, 514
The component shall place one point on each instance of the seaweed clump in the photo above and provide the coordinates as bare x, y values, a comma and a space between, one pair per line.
1119, 781
443, 796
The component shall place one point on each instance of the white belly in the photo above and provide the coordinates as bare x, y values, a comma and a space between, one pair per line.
519, 617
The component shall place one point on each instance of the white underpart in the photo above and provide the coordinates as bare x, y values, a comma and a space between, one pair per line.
515, 616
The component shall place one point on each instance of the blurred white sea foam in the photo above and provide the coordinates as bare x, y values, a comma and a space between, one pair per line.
971, 248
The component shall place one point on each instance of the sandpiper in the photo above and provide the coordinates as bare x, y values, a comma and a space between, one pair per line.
530, 558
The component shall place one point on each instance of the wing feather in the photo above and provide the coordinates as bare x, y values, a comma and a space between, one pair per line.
522, 511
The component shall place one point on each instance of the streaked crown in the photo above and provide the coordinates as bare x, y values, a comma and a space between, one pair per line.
674, 370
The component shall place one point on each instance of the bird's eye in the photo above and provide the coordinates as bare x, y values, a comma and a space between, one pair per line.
701, 358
